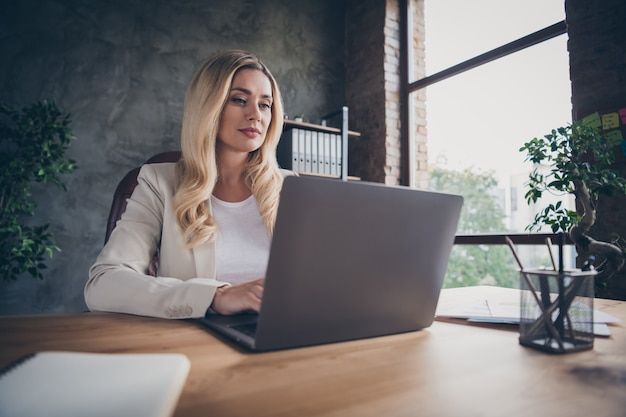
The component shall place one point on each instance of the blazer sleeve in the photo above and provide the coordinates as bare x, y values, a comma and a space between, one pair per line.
118, 281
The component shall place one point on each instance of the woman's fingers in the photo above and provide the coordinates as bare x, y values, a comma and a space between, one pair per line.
239, 298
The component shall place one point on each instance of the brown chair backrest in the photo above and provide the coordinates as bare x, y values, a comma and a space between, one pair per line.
125, 189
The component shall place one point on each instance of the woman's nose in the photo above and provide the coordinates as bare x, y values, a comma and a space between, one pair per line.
254, 113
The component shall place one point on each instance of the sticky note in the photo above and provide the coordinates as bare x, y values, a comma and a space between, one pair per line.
614, 136
610, 121
593, 120
622, 115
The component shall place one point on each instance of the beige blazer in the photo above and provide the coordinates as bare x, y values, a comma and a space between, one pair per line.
186, 282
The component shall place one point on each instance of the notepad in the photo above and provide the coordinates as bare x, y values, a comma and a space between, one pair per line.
93, 384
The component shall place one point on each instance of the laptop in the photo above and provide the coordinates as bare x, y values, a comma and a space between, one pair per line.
348, 260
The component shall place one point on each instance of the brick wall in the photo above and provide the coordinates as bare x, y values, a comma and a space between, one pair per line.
365, 84
597, 47
391, 66
373, 90
419, 138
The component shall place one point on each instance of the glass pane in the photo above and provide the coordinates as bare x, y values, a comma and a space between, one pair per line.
457, 30
478, 120
481, 118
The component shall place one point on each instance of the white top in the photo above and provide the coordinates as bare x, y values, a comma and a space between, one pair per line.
243, 243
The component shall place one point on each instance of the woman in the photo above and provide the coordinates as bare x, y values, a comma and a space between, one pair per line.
211, 215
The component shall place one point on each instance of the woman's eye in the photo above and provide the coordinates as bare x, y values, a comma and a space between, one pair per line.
266, 106
238, 100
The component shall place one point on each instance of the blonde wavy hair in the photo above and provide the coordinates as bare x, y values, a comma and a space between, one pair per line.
197, 171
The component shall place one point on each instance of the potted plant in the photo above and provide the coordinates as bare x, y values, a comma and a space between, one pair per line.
33, 141
580, 161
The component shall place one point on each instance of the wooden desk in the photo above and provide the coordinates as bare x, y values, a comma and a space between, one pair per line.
445, 370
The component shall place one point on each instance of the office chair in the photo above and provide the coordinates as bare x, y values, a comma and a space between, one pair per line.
123, 192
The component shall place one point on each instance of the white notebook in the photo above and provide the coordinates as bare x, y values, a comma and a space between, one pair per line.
93, 384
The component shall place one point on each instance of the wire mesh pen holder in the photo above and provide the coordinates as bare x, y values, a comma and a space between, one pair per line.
557, 310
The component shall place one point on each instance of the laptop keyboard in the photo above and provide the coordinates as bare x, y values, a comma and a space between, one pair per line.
249, 329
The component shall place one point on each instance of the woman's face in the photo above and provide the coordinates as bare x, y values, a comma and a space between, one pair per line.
247, 113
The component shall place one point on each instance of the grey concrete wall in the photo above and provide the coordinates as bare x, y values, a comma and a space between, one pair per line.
120, 68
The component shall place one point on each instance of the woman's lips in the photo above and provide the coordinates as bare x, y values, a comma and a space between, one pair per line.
250, 132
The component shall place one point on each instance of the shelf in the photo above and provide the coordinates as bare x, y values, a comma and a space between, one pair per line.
289, 124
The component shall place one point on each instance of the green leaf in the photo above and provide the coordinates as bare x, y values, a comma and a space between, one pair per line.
574, 155
33, 140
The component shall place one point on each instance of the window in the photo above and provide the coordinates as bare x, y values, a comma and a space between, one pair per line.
478, 119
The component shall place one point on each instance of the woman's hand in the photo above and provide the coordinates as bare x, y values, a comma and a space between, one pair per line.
239, 298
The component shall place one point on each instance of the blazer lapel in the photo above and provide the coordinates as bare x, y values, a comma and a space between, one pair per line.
204, 259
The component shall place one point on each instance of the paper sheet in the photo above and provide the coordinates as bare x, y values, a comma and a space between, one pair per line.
489, 304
